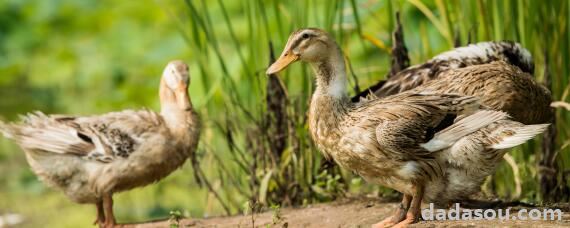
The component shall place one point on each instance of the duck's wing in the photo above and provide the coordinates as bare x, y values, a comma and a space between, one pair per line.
407, 122
473, 54
102, 138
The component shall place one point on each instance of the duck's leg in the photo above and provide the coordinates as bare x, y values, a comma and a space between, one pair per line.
413, 214
108, 207
100, 214
398, 215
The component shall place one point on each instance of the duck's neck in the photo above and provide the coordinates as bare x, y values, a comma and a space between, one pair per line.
331, 76
329, 103
177, 110
330, 96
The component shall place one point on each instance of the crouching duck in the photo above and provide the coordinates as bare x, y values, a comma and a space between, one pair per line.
91, 158
429, 145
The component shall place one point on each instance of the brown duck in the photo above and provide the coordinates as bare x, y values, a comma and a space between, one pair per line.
91, 158
428, 144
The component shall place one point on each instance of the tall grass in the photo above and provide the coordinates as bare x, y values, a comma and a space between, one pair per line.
229, 44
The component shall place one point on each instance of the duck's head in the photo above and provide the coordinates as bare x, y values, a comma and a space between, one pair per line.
174, 85
176, 75
310, 45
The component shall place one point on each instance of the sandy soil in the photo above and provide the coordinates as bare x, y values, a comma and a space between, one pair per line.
344, 213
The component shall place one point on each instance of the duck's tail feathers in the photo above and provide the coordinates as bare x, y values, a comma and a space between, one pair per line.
6, 130
520, 136
467, 125
486, 52
517, 55
42, 132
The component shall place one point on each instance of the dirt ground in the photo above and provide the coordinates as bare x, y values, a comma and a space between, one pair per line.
344, 213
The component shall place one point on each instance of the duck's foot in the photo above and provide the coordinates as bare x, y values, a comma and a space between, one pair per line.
100, 223
399, 214
110, 224
413, 213
387, 222
410, 219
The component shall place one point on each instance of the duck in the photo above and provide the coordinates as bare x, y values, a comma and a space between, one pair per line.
90, 158
431, 146
471, 55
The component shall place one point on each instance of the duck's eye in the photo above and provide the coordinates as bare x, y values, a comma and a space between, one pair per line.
305, 36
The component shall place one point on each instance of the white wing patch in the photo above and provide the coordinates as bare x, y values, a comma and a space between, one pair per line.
470, 51
522, 134
463, 127
488, 51
5, 130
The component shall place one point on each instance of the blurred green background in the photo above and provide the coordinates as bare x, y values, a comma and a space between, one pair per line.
95, 56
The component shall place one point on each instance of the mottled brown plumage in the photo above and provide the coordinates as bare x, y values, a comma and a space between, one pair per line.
474, 55
90, 158
416, 142
499, 86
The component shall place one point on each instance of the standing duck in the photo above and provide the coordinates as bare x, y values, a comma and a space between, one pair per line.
428, 145
470, 55
91, 158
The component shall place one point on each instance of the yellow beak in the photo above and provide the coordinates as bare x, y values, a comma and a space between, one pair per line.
286, 58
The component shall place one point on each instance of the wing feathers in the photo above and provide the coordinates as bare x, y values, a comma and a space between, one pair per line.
474, 54
463, 127
40, 132
5, 130
101, 138
521, 135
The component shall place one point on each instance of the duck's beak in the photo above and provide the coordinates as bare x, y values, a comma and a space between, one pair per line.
284, 60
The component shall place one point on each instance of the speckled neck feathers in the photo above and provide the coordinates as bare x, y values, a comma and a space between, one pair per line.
331, 75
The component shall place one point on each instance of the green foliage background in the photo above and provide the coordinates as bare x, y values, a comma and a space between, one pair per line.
90, 57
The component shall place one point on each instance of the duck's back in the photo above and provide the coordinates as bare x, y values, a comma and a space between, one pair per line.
471, 55
500, 86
